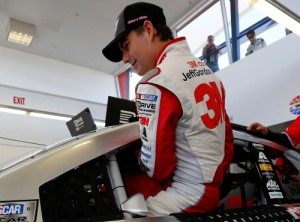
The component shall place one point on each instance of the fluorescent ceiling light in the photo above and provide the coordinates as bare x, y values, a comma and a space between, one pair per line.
20, 32
13, 111
279, 12
48, 116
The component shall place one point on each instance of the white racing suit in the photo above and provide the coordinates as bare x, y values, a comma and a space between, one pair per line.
183, 122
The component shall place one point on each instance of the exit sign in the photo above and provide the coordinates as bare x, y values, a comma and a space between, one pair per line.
19, 100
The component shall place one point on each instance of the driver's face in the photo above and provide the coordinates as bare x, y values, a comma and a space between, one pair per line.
136, 49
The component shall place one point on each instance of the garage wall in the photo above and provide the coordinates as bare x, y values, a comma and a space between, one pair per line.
51, 86
47, 76
262, 86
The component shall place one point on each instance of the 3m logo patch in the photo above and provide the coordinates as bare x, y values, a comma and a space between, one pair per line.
11, 209
144, 121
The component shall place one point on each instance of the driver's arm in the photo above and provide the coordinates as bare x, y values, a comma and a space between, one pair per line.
159, 111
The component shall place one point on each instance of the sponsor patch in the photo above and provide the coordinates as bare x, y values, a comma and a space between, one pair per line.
144, 136
145, 160
147, 97
275, 195
147, 155
264, 166
144, 120
144, 105
18, 210
148, 148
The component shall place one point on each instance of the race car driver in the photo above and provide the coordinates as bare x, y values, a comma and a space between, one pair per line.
185, 132
289, 138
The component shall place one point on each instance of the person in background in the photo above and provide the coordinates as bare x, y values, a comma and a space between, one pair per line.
187, 140
211, 53
289, 138
255, 44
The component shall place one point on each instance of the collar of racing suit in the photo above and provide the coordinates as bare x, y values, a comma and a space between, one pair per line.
178, 45
173, 47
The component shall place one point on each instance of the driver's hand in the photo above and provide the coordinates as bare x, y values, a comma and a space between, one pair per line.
258, 128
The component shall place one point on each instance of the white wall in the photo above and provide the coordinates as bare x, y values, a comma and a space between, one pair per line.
42, 75
51, 86
261, 86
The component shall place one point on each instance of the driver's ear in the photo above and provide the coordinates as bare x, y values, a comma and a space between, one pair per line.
149, 29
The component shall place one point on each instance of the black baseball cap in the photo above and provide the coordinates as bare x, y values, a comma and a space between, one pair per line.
132, 17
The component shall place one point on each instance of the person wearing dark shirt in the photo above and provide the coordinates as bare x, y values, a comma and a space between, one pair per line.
289, 138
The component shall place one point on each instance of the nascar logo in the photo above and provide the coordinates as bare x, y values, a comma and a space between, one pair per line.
295, 105
11, 209
147, 97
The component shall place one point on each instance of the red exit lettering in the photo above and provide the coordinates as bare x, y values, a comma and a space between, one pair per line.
19, 100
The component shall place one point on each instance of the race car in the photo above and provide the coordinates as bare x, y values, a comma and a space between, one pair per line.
80, 179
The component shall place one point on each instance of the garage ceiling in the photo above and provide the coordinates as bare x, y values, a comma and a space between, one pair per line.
75, 31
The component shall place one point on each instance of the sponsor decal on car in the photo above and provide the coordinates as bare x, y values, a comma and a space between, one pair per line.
262, 158
258, 146
264, 166
18, 210
276, 195
272, 185
11, 209
267, 174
